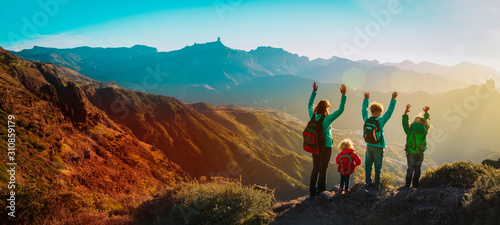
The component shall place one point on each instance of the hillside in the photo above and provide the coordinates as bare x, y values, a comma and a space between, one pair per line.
458, 193
72, 158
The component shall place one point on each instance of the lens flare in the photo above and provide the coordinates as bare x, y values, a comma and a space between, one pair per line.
354, 78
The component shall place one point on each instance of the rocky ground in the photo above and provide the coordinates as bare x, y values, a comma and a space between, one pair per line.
368, 206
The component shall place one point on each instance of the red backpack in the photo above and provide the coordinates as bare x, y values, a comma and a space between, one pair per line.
345, 164
314, 137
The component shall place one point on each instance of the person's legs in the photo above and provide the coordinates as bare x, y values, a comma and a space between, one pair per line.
314, 174
378, 155
418, 159
342, 181
346, 180
323, 165
368, 165
409, 172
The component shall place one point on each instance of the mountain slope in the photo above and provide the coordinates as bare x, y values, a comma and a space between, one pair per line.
69, 153
458, 193
200, 145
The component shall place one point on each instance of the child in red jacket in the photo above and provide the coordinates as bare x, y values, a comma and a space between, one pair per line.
347, 160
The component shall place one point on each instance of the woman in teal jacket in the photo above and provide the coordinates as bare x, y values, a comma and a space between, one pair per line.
321, 160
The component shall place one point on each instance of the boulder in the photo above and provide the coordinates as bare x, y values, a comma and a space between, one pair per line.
325, 197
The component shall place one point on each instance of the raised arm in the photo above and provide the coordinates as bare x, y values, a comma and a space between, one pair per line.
364, 107
427, 116
330, 118
310, 105
387, 115
406, 120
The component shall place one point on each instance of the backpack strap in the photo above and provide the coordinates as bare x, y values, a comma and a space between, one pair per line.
421, 142
320, 121
349, 170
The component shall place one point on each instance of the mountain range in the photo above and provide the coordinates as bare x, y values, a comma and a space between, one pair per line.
211, 69
273, 78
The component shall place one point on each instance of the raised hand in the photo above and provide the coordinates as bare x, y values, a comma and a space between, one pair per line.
426, 109
343, 89
367, 95
315, 87
394, 95
407, 110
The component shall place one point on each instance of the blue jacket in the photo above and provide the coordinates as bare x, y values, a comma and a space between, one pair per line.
381, 120
328, 119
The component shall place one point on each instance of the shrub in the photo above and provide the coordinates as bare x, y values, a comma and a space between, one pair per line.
215, 202
386, 179
461, 174
483, 204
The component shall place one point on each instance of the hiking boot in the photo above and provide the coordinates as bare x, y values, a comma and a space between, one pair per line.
376, 187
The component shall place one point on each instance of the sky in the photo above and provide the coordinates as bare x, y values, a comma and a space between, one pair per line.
441, 31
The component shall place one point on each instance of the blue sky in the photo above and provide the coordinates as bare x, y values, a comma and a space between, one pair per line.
441, 31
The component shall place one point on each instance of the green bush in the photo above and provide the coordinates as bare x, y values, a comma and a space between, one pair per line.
217, 202
483, 204
461, 174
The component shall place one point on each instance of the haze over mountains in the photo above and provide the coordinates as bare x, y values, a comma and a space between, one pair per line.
272, 78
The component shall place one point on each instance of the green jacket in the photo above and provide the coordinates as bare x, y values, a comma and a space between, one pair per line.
415, 127
381, 120
328, 119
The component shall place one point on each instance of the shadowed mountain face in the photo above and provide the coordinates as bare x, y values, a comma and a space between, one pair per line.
206, 145
71, 156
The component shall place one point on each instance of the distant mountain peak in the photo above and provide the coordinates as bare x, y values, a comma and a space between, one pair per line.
210, 45
408, 62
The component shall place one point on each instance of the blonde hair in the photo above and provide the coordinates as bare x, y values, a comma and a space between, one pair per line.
322, 107
376, 107
421, 120
346, 144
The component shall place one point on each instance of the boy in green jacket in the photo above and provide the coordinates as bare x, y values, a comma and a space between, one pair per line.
375, 152
416, 144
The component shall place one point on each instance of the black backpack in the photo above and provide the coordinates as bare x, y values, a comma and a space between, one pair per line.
370, 130
314, 137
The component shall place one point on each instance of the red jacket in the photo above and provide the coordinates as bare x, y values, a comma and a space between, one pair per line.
356, 161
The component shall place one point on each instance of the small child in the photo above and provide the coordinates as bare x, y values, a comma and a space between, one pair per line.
416, 144
347, 160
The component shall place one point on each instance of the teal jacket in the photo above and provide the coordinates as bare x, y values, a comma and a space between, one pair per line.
328, 119
414, 127
381, 120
